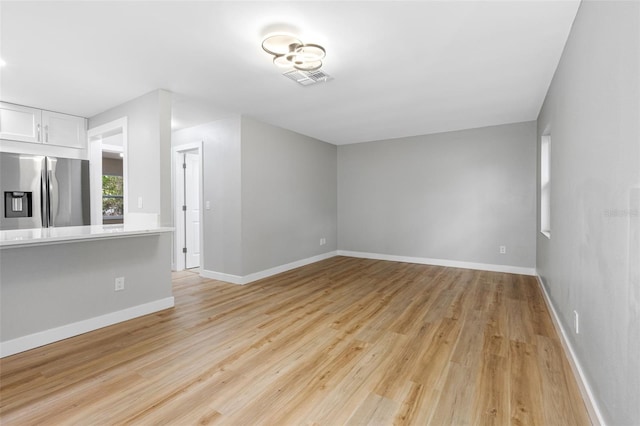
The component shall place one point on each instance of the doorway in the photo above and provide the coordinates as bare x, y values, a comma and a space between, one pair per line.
187, 203
108, 172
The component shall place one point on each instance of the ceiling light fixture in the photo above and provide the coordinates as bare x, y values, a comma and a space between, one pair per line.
289, 52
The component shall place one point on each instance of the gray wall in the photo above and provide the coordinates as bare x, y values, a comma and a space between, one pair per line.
451, 196
164, 154
148, 151
111, 166
592, 261
45, 287
221, 227
272, 193
288, 196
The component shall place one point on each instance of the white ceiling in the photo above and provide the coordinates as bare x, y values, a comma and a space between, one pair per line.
401, 68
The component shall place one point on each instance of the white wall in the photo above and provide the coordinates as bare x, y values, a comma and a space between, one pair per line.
148, 151
114, 140
221, 227
289, 198
454, 196
591, 264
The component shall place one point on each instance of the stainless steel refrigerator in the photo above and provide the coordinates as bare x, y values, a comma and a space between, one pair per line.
39, 191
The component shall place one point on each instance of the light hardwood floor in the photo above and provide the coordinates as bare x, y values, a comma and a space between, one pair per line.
342, 341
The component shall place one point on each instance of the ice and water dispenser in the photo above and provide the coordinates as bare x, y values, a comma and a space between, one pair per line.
17, 204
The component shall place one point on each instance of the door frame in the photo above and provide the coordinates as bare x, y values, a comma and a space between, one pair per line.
94, 137
177, 183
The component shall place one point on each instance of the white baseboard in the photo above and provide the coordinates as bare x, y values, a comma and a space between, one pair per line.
595, 414
220, 276
45, 337
283, 268
442, 262
246, 279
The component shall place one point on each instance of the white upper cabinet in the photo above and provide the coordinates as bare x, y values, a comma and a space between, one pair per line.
63, 130
20, 123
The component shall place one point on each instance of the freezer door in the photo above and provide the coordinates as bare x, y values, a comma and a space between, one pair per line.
68, 192
22, 179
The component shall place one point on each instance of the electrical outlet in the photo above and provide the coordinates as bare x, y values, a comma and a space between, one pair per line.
323, 241
119, 286
503, 249
576, 322
140, 202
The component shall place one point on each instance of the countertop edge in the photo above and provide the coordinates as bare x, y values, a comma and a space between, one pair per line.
80, 237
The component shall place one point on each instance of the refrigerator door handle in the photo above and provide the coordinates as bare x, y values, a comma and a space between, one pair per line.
49, 192
44, 199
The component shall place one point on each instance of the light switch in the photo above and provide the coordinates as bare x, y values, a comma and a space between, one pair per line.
207, 205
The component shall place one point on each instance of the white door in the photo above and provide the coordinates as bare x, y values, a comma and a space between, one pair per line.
192, 212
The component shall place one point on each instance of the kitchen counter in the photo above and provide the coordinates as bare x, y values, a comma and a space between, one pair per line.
44, 236
60, 282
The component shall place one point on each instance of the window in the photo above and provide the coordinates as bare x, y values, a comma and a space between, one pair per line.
545, 186
112, 197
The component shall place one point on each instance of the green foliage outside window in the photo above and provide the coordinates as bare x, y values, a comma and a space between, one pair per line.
112, 196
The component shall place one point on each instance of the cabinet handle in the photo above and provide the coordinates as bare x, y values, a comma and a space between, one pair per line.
46, 133
38, 132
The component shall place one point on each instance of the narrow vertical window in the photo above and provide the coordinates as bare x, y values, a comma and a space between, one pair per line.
112, 199
545, 186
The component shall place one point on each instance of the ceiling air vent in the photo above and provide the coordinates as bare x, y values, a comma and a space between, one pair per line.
308, 78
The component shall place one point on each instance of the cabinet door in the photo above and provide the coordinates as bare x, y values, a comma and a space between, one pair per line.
63, 130
20, 123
